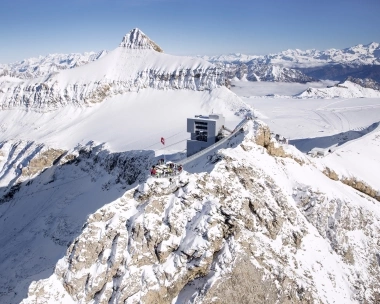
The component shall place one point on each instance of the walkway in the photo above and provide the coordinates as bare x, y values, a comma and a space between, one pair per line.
217, 144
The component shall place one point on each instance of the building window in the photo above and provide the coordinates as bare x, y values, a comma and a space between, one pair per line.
201, 135
201, 127
201, 123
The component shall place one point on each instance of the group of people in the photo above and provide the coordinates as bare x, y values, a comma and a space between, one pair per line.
164, 170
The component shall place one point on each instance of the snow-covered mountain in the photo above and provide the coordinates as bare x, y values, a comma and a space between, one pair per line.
347, 89
366, 83
357, 55
257, 224
253, 71
136, 64
44, 65
360, 61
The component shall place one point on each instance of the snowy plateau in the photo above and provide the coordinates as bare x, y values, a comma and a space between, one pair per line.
285, 209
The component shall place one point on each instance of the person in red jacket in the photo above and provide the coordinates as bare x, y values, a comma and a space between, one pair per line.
153, 171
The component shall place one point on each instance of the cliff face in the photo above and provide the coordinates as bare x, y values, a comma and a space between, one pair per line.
49, 94
248, 228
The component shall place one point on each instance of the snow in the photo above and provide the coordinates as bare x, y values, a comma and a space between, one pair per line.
346, 89
285, 89
123, 64
358, 158
124, 122
347, 127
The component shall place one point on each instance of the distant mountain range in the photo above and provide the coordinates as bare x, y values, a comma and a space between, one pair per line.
360, 61
44, 65
357, 55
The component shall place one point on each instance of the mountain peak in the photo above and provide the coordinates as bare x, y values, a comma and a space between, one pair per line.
136, 39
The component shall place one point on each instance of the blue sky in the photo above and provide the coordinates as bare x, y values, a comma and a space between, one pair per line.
38, 27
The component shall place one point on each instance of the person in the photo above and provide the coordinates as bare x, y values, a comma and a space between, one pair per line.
153, 171
180, 168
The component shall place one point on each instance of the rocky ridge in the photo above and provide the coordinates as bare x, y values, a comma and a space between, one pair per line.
46, 194
249, 215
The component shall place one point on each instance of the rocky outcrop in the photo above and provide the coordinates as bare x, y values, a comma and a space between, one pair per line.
263, 138
150, 246
331, 174
354, 183
43, 160
361, 186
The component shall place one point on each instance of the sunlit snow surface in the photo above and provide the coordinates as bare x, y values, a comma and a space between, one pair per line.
135, 120
340, 125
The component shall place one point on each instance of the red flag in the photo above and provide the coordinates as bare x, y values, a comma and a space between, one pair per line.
163, 140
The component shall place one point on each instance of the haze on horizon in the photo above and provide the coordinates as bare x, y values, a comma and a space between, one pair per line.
33, 28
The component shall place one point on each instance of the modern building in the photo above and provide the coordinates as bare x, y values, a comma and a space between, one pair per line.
205, 131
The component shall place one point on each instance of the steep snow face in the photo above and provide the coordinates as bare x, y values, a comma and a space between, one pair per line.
125, 69
45, 65
251, 218
346, 89
136, 39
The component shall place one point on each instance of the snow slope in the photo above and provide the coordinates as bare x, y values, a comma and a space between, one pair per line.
357, 159
346, 89
347, 127
135, 120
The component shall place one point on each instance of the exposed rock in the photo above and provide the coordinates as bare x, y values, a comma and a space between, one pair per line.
361, 186
263, 136
41, 161
331, 174
354, 183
